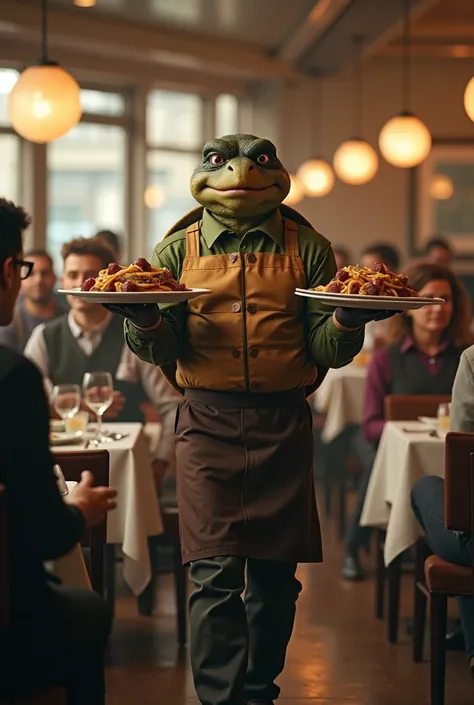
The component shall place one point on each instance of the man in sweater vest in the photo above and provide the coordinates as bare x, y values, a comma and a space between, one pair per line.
90, 339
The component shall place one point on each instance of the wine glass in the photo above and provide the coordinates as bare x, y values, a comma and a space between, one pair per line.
98, 389
444, 419
66, 399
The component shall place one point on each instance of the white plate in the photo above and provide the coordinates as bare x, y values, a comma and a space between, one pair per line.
429, 421
56, 425
64, 439
134, 297
382, 303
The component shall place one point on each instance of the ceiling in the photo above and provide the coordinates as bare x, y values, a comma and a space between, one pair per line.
238, 20
445, 30
233, 41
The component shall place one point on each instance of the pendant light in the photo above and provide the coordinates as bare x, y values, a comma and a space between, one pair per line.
316, 175
405, 141
469, 99
355, 160
296, 192
85, 3
44, 104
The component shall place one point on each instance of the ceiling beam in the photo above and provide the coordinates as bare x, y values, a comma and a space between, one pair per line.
120, 35
122, 71
323, 14
443, 29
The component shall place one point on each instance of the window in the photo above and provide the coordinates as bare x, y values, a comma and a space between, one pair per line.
227, 115
101, 103
10, 171
8, 78
167, 196
86, 183
174, 120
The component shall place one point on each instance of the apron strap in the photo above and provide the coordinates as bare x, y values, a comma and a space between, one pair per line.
291, 238
192, 240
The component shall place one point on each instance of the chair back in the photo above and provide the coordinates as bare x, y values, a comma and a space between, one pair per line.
458, 500
408, 407
4, 601
73, 463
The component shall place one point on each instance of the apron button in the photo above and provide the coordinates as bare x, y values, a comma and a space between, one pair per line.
253, 352
251, 308
236, 308
232, 257
252, 258
236, 353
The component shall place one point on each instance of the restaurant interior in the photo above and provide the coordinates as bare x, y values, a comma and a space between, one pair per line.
370, 104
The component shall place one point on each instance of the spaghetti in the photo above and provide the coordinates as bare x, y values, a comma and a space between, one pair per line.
140, 276
365, 281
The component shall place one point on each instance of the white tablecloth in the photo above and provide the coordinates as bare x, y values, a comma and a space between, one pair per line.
71, 568
138, 513
402, 458
340, 397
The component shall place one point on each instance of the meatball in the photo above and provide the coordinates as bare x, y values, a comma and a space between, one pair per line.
143, 264
113, 268
335, 287
129, 286
88, 284
379, 267
342, 275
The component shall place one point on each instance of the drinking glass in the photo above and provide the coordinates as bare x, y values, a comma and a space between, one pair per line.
98, 389
66, 399
444, 419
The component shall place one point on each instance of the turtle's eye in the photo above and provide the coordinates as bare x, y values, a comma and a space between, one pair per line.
263, 158
216, 159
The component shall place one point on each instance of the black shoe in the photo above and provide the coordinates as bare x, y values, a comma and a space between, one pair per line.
351, 568
259, 702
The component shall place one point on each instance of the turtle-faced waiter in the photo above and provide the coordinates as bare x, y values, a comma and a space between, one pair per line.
245, 357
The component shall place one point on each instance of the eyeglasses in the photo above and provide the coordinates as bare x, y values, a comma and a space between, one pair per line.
25, 267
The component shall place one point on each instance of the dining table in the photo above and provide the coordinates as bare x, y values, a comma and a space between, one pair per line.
138, 515
408, 450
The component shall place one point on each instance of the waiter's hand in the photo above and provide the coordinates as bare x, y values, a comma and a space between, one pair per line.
140, 315
352, 318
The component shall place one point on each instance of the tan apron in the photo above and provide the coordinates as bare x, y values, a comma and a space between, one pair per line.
244, 458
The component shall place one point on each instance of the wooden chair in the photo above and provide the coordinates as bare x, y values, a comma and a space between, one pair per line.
97, 462
443, 579
52, 696
399, 407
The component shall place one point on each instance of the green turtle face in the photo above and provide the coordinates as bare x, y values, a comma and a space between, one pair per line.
240, 177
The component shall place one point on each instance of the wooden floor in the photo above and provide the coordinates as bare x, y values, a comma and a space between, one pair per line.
339, 654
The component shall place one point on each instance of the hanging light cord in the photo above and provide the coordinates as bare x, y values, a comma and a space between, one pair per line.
44, 31
406, 57
317, 131
358, 88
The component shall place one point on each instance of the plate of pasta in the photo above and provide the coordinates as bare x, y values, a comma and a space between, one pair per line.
139, 282
375, 288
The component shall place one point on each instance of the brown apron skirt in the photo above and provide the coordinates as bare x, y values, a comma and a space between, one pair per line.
245, 476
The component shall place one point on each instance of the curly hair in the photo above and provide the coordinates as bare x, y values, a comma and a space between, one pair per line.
458, 330
92, 246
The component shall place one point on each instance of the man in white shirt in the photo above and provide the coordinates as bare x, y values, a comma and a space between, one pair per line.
88, 339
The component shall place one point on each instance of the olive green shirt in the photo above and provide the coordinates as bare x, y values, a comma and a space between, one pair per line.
327, 345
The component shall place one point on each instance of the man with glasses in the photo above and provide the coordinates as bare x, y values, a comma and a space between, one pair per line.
57, 634
38, 302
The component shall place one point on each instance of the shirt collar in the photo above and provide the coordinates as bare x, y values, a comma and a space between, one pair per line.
212, 229
408, 344
77, 331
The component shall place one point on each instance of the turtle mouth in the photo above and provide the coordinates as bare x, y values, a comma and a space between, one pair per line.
241, 189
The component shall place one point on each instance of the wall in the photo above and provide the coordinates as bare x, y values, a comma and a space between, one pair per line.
358, 215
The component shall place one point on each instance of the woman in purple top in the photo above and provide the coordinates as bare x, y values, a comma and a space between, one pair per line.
422, 358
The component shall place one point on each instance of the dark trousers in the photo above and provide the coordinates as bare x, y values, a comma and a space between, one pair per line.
427, 498
59, 639
357, 535
238, 647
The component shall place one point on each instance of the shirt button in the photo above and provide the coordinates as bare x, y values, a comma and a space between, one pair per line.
251, 258
251, 308
236, 353
253, 352
236, 308
232, 257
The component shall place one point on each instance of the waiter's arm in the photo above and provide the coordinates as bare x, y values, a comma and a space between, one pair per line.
329, 345
166, 342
